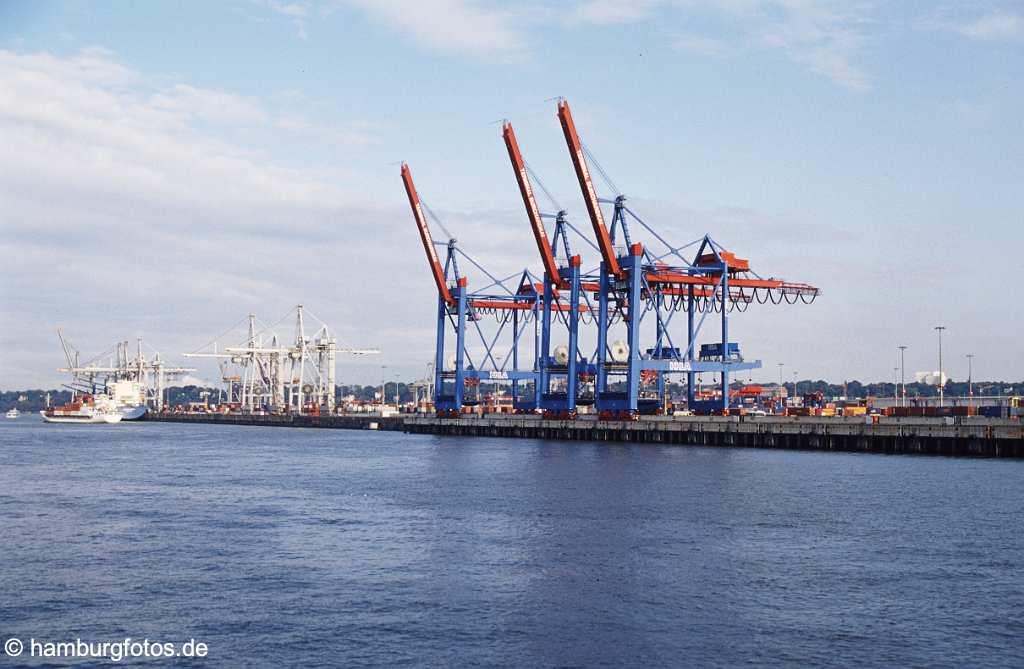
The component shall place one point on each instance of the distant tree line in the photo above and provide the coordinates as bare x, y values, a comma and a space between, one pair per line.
31, 400
369, 393
35, 400
856, 389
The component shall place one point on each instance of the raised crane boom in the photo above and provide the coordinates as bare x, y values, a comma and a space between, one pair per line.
532, 212
604, 240
428, 242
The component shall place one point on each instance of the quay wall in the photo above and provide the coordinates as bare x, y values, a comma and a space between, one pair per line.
977, 437
930, 436
344, 422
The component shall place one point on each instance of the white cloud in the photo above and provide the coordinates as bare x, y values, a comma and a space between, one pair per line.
996, 25
821, 35
705, 46
296, 12
209, 105
362, 133
190, 380
612, 11
993, 24
973, 112
128, 208
463, 27
293, 10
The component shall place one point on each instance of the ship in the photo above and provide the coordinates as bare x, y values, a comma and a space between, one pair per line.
89, 410
13, 413
134, 384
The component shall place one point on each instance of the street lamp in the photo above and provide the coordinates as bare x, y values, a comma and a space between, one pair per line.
896, 384
903, 374
782, 388
970, 377
942, 389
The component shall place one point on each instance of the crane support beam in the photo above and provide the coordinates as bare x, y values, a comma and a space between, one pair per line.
698, 280
507, 305
532, 211
604, 240
428, 242
713, 280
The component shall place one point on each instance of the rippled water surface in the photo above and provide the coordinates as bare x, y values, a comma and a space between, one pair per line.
340, 548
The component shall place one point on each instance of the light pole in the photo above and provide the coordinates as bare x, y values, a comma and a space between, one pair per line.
970, 382
896, 384
903, 374
794, 384
942, 389
382, 396
781, 387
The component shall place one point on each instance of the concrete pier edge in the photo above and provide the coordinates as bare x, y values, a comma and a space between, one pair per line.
967, 437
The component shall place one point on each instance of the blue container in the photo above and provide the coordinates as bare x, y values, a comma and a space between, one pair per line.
715, 350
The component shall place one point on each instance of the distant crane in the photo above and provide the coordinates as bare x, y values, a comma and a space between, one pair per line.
152, 375
277, 377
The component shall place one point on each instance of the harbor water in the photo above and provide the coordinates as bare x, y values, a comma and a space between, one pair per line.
304, 547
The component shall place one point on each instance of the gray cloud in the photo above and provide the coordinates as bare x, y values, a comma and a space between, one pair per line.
825, 36
123, 215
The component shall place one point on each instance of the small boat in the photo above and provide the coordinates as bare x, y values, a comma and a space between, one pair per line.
13, 413
88, 410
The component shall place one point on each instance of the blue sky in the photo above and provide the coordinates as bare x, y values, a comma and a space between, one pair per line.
169, 167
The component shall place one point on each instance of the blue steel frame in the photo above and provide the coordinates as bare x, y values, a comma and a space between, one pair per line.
450, 385
629, 297
632, 298
556, 308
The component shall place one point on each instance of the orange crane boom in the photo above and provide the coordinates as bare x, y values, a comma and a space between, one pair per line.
428, 242
604, 240
532, 211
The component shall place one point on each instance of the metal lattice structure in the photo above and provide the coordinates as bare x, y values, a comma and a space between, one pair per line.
150, 374
636, 288
461, 312
265, 372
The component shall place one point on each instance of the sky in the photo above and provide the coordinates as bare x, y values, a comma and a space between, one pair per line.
168, 167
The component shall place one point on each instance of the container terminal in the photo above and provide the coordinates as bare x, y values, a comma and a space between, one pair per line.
627, 303
580, 350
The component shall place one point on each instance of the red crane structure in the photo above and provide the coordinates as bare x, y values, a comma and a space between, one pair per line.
563, 373
642, 285
458, 375
638, 288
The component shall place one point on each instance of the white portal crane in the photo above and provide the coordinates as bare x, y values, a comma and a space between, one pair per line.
282, 377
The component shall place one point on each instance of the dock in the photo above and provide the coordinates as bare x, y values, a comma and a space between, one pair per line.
337, 422
961, 436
